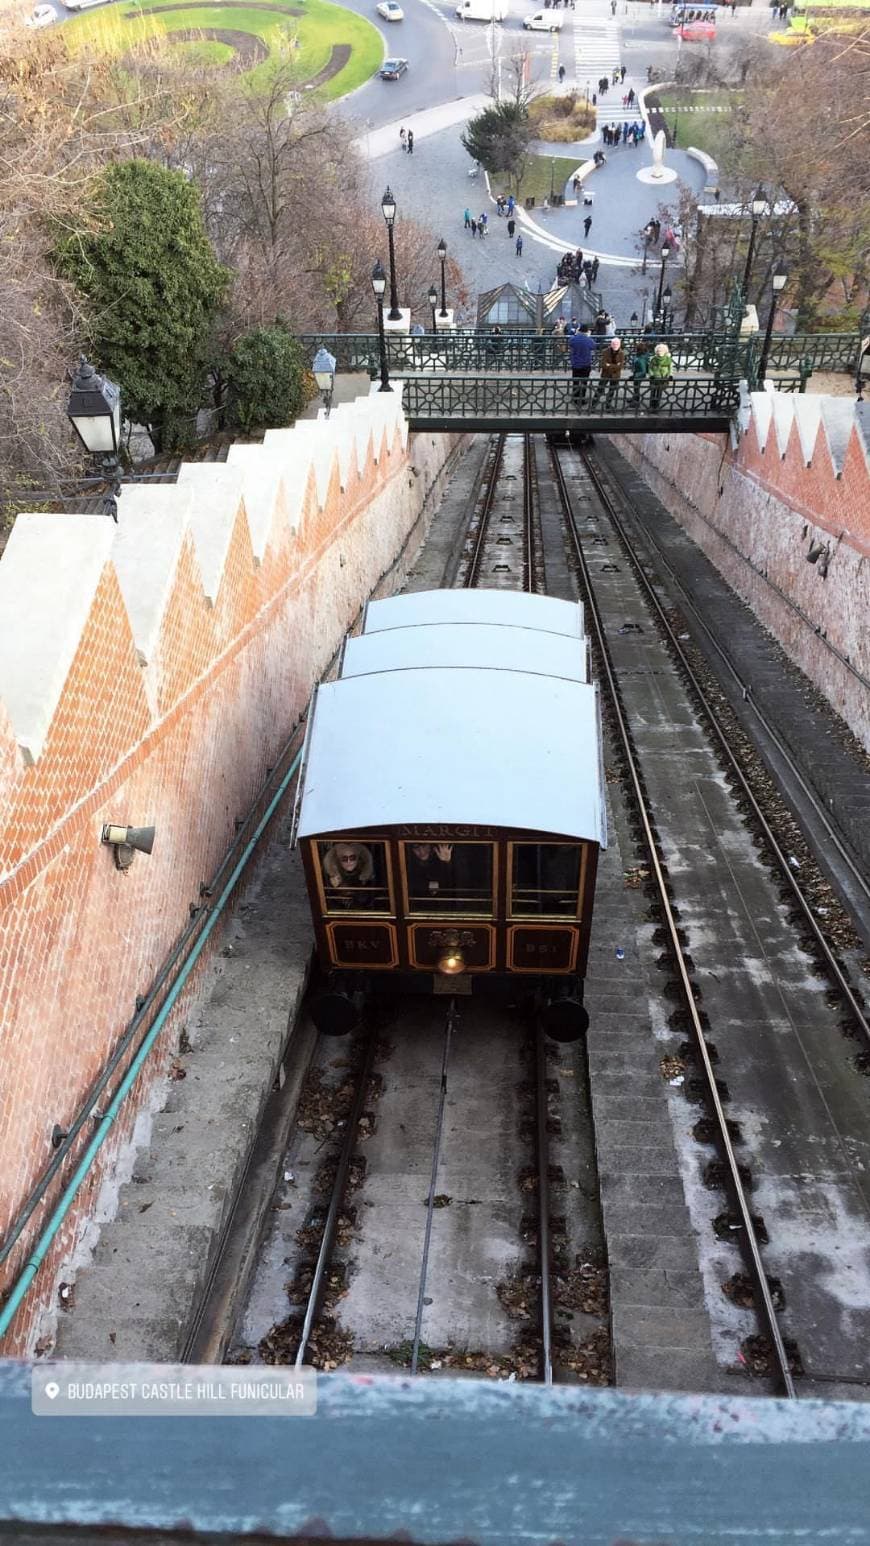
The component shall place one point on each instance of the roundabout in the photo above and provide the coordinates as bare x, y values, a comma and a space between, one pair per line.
334, 50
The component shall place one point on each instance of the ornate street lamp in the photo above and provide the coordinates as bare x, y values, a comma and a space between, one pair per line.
757, 208
778, 282
379, 285
433, 302
667, 314
323, 370
442, 258
666, 252
388, 205
94, 410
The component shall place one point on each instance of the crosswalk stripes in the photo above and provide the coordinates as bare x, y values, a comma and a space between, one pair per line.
598, 52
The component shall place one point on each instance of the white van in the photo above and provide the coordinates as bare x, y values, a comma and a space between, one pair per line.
482, 10
544, 21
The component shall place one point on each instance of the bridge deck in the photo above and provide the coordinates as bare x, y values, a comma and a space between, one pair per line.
537, 403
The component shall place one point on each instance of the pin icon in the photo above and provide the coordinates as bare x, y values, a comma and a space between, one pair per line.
52, 1389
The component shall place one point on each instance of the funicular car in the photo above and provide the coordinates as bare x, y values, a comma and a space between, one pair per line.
450, 808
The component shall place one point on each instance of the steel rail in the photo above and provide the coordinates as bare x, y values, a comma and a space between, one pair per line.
749, 1238
433, 1181
473, 572
330, 1226
745, 788
745, 687
544, 1239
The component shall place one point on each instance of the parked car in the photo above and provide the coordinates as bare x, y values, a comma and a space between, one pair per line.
544, 21
42, 16
82, 5
391, 69
390, 11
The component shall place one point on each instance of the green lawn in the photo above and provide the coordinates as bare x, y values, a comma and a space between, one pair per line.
206, 51
312, 26
537, 181
708, 131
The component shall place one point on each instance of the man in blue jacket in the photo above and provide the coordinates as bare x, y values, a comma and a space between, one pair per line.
582, 350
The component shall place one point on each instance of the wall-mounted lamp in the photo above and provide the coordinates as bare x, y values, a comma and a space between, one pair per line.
127, 841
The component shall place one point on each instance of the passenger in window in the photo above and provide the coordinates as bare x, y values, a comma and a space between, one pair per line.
430, 869
348, 867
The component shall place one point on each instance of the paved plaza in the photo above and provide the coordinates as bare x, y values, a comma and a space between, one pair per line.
433, 185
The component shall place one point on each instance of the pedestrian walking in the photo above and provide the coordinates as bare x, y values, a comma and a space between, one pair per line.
561, 74
467, 219
511, 204
402, 138
616, 75
613, 7
484, 220
600, 325
594, 99
512, 225
594, 270
622, 73
473, 228
519, 246
581, 351
587, 226
630, 98
410, 142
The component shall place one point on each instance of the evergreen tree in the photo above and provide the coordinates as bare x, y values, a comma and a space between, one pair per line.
267, 380
152, 289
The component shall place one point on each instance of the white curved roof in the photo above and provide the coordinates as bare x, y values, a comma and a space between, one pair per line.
464, 746
517, 609
494, 646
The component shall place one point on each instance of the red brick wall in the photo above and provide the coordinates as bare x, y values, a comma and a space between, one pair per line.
79, 939
757, 512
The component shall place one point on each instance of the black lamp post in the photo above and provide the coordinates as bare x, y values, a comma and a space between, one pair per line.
666, 252
757, 207
778, 282
442, 258
433, 302
667, 314
388, 205
94, 410
379, 285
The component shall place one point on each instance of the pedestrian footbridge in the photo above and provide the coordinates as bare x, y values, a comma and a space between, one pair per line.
539, 403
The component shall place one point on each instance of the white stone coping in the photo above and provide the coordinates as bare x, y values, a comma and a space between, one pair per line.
53, 564
49, 575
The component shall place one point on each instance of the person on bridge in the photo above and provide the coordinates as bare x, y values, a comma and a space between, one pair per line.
640, 367
611, 362
660, 371
582, 351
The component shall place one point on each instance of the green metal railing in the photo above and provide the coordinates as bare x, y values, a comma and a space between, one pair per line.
720, 352
559, 399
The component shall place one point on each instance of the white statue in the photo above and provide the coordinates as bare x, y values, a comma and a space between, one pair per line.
658, 154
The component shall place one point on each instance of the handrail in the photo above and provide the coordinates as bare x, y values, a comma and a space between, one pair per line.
107, 1118
710, 348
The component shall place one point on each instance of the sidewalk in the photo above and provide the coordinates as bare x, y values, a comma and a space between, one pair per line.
431, 120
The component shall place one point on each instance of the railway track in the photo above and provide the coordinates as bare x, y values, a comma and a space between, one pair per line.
550, 521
